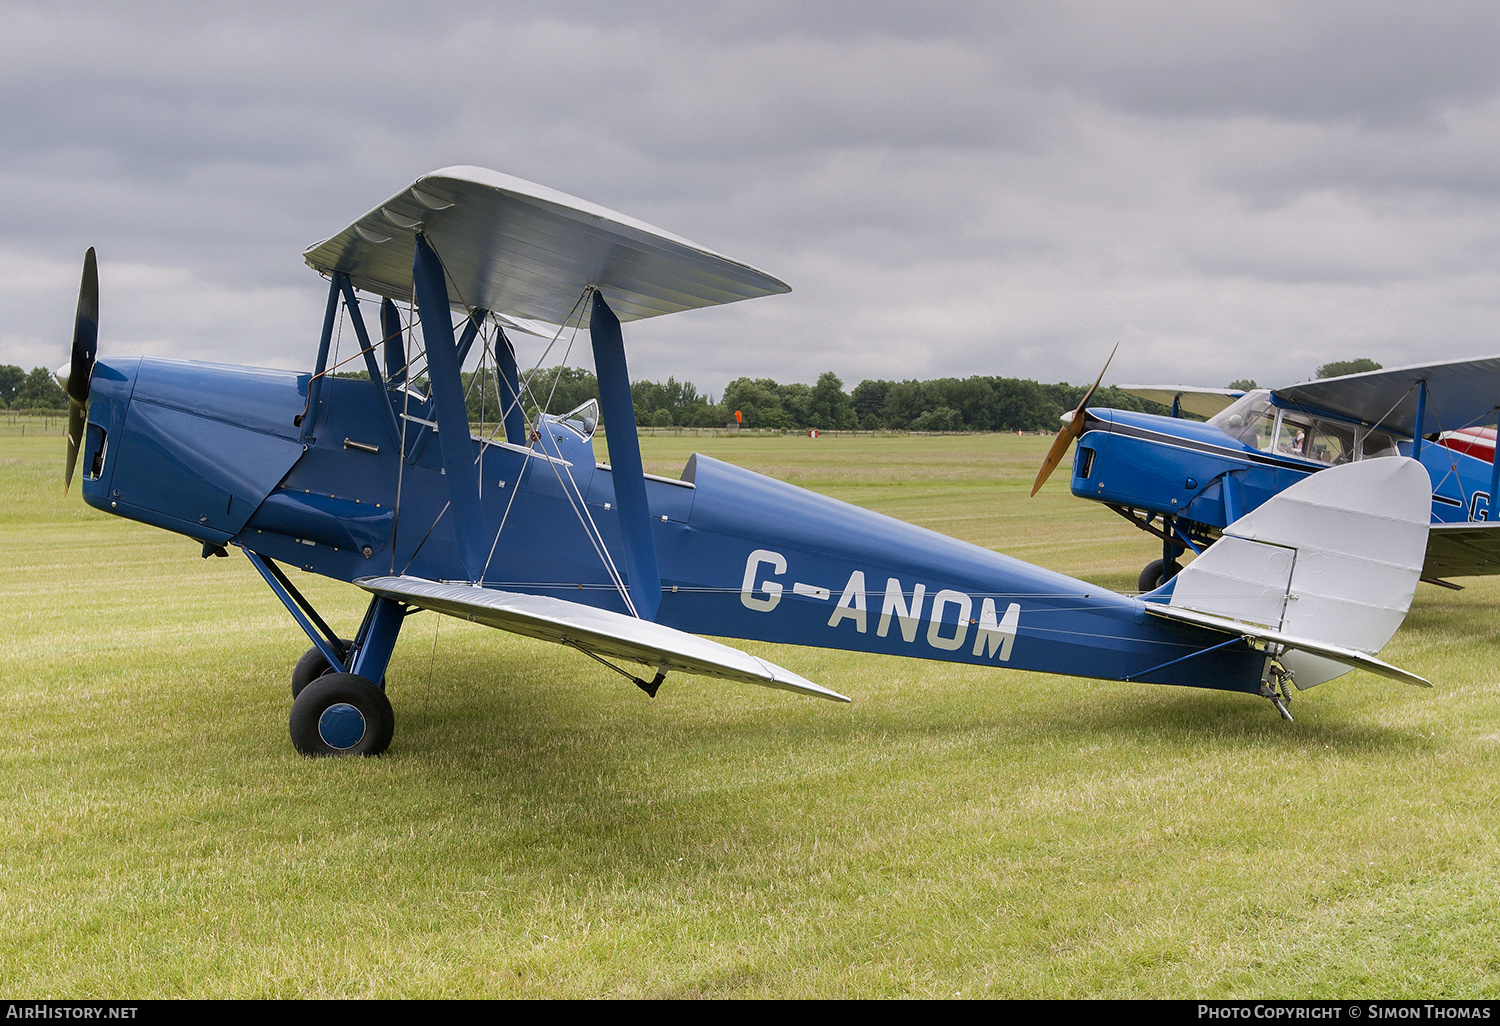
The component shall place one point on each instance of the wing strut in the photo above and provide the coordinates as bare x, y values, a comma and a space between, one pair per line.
395, 344
513, 416
471, 328
459, 468
367, 350
618, 410
315, 383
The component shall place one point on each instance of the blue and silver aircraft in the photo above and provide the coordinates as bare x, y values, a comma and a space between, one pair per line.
1185, 480
381, 482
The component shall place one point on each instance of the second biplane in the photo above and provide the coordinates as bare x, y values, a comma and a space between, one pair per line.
1185, 480
380, 482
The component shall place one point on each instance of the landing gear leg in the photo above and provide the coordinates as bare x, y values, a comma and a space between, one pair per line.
1278, 688
346, 713
1160, 571
351, 716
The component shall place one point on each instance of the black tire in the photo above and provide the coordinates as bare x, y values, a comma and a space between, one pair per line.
311, 666
1153, 576
342, 714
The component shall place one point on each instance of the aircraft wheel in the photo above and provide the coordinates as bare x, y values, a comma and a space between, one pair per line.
311, 666
342, 714
1156, 574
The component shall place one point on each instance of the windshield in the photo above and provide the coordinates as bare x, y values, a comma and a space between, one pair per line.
582, 420
1251, 418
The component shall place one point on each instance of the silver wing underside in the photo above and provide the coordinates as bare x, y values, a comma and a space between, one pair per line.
1460, 393
1200, 402
606, 634
1462, 550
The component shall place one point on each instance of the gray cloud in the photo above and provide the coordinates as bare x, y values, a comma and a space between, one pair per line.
1231, 190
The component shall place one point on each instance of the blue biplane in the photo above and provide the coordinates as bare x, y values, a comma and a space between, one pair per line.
1185, 480
381, 482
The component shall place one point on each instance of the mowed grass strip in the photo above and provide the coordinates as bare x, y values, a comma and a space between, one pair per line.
542, 829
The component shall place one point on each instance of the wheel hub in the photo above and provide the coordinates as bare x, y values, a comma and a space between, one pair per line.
341, 726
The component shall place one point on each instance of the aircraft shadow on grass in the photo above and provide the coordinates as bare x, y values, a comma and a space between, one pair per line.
381, 483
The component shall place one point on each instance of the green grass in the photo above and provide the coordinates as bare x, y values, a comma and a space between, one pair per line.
540, 828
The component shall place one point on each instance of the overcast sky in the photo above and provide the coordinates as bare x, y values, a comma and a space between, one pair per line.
1228, 190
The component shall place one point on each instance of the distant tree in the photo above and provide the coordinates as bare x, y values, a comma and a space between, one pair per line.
903, 404
1024, 405
867, 401
678, 399
566, 387
1340, 367
830, 407
40, 391
1247, 384
944, 418
11, 379
759, 403
707, 414
972, 398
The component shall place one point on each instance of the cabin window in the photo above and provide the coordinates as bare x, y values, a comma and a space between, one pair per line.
1377, 443
1311, 438
1292, 436
1256, 422
1332, 443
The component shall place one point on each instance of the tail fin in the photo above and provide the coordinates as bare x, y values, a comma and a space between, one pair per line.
1326, 569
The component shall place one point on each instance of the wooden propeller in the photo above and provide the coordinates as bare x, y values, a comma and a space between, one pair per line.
1071, 430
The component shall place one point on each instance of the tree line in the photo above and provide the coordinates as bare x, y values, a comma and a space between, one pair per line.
976, 403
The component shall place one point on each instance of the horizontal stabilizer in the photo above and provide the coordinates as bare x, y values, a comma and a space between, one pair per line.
1327, 568
599, 631
1337, 653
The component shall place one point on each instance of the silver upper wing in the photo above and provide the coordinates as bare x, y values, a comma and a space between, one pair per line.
526, 252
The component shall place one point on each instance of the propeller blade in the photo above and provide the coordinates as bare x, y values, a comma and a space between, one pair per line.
1071, 430
81, 365
77, 420
1084, 403
1059, 449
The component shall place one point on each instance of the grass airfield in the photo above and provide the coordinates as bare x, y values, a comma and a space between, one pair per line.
540, 828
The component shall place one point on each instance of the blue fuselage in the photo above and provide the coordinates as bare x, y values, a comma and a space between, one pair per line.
234, 456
